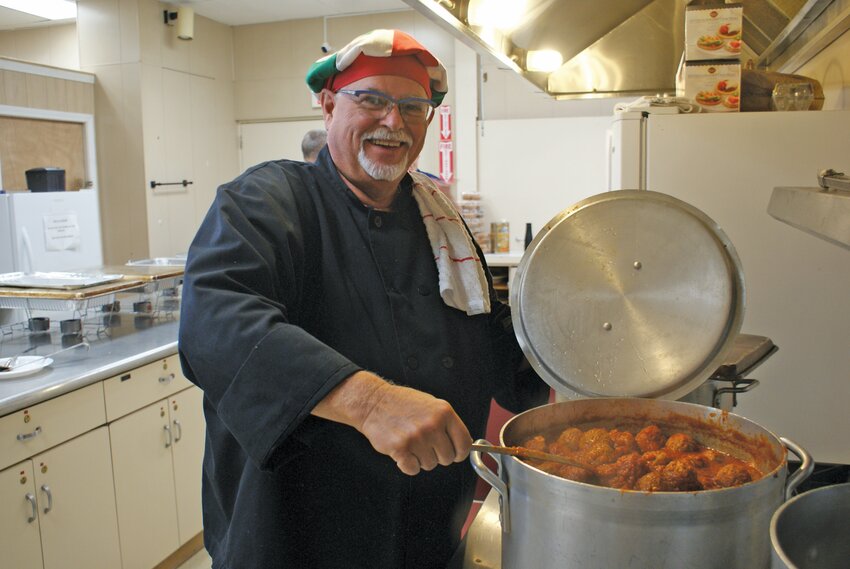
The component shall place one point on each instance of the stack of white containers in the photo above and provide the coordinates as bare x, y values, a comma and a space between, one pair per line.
473, 214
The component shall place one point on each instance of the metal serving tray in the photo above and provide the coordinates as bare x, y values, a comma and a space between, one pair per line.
59, 281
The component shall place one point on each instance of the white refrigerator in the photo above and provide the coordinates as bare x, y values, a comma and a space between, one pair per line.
49, 231
797, 286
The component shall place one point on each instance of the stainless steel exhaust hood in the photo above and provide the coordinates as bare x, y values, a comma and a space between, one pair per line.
609, 47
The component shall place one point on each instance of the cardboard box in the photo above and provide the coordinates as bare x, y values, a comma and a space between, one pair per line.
715, 86
713, 31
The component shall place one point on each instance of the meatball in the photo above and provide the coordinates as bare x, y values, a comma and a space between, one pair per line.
680, 442
624, 442
650, 482
623, 473
650, 438
567, 441
732, 475
592, 437
600, 453
656, 459
681, 476
536, 443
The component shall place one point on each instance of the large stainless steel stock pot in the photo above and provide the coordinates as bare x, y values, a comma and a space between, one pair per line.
624, 303
550, 522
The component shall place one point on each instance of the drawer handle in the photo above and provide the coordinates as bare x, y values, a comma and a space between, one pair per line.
179, 431
27, 436
166, 378
31, 499
46, 489
169, 438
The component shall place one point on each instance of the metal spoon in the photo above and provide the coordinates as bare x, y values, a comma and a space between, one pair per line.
10, 363
522, 452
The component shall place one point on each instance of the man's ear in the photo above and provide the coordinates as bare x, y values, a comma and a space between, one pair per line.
328, 104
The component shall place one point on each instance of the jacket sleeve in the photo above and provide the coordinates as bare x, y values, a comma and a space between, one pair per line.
246, 281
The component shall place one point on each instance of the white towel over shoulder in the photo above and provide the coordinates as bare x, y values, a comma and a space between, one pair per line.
463, 284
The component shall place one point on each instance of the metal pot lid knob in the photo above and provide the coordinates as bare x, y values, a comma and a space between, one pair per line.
628, 293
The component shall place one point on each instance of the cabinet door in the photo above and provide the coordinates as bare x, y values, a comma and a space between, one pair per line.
76, 502
144, 485
20, 541
187, 424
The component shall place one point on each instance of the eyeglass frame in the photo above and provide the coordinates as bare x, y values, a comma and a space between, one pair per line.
393, 102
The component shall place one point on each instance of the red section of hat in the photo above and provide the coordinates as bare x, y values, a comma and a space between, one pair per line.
408, 66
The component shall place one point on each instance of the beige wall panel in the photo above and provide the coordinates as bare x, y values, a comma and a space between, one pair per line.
227, 149
52, 45
120, 163
33, 45
305, 47
175, 52
79, 97
343, 30
99, 31
261, 51
64, 46
441, 44
128, 29
210, 51
832, 68
257, 100
153, 124
36, 91
14, 88
151, 32
57, 97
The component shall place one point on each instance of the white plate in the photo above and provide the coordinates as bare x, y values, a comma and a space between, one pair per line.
26, 365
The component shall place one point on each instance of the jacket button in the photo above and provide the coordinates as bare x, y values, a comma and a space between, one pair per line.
448, 362
378, 221
424, 290
412, 362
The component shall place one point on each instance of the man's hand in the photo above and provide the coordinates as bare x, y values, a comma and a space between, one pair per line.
415, 429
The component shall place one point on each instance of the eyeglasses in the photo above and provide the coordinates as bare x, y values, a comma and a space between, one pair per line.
379, 105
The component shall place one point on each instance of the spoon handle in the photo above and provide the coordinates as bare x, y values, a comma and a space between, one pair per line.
522, 452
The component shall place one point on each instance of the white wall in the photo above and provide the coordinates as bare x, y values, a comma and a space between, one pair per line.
530, 170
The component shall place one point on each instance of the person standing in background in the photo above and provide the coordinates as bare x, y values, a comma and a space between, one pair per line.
312, 143
343, 326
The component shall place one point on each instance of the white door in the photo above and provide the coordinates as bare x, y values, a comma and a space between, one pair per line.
272, 141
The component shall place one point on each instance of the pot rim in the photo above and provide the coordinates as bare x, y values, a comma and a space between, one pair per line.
774, 521
776, 443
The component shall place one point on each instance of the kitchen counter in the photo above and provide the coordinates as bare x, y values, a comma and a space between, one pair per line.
129, 342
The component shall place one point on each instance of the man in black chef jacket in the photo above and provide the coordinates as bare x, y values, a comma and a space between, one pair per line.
345, 332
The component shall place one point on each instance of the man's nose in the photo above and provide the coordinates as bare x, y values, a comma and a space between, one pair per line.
394, 119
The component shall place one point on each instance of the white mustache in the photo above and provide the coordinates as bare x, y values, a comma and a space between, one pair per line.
383, 133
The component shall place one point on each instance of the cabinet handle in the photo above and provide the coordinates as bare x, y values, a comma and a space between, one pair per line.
179, 431
46, 489
27, 436
31, 499
169, 438
166, 378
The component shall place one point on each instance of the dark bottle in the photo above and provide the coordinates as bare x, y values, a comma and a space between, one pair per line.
528, 236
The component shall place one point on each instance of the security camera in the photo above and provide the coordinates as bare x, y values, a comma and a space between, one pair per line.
326, 48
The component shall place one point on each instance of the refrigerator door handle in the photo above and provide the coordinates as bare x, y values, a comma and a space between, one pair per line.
26, 250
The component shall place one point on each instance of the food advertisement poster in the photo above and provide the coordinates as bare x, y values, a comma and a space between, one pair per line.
714, 86
713, 32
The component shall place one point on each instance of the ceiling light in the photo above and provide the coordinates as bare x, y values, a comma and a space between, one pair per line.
543, 60
499, 14
50, 9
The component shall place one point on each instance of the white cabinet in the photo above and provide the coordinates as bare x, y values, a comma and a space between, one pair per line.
57, 509
156, 456
20, 539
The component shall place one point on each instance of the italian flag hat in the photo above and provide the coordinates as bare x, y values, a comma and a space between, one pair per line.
380, 52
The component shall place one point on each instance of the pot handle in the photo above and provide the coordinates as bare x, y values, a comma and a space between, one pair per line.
494, 480
805, 470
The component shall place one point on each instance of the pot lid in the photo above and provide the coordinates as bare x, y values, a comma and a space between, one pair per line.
628, 293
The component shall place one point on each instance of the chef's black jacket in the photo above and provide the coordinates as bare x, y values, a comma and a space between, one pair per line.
291, 286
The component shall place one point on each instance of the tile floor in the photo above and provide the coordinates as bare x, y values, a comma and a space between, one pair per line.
201, 560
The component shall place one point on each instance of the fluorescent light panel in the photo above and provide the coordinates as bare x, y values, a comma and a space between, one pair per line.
50, 9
